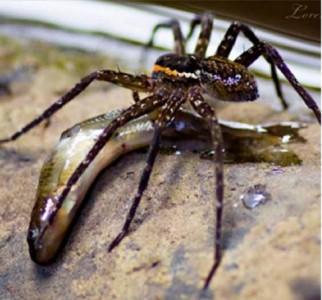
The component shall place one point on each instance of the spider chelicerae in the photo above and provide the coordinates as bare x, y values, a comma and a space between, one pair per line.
176, 79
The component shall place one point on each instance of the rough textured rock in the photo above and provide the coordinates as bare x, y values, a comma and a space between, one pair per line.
271, 252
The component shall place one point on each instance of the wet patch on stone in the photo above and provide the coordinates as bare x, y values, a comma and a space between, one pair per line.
306, 289
232, 238
13, 156
181, 290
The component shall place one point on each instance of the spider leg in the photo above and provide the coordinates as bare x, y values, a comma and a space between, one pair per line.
145, 106
206, 111
228, 42
206, 21
249, 56
177, 34
141, 83
164, 119
135, 96
153, 150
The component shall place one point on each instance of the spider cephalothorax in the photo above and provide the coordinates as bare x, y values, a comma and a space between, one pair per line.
177, 67
176, 78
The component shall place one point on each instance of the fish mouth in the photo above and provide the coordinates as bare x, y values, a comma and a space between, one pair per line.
44, 242
37, 250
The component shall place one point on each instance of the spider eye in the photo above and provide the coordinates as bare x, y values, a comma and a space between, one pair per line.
180, 63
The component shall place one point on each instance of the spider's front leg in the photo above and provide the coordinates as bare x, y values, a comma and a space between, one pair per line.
164, 119
44, 213
253, 53
228, 42
137, 83
205, 110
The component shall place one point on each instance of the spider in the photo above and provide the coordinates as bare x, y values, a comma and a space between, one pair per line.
177, 78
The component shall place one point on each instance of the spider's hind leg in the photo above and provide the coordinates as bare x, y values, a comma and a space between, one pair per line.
177, 34
206, 22
228, 42
249, 56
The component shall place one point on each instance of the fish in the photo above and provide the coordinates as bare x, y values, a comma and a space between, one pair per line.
50, 222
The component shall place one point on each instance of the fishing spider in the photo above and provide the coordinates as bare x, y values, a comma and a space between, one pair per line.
178, 78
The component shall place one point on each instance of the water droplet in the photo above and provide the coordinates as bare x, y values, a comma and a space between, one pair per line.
255, 196
286, 138
235, 205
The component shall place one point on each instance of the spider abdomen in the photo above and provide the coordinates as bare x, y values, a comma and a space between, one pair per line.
227, 80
